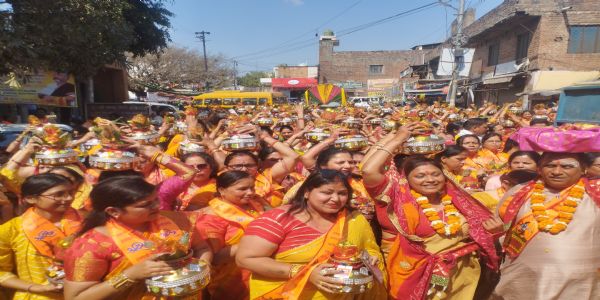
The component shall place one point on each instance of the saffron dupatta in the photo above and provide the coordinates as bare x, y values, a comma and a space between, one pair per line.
270, 191
520, 233
45, 236
410, 266
292, 288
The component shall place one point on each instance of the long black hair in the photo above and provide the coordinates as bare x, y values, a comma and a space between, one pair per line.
326, 155
509, 145
265, 151
450, 151
317, 179
120, 191
78, 177
37, 184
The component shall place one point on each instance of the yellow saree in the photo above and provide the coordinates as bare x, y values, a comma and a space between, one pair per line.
18, 254
359, 233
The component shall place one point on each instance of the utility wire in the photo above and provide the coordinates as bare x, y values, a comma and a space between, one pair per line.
307, 43
285, 44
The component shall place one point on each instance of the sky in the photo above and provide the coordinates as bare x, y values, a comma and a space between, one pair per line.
261, 34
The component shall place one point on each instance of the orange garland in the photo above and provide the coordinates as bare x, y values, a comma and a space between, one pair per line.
452, 215
565, 210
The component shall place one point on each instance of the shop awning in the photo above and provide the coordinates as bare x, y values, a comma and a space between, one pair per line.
428, 92
298, 83
551, 82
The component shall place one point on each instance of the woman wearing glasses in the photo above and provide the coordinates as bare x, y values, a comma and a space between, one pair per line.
122, 240
34, 243
222, 225
267, 181
287, 249
180, 194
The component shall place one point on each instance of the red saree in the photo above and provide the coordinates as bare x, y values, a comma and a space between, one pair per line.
222, 224
410, 266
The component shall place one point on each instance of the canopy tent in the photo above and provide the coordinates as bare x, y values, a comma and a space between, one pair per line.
325, 93
548, 83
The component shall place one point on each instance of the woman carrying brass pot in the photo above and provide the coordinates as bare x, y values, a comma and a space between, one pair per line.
289, 249
126, 239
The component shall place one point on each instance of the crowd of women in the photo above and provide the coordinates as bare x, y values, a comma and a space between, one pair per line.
495, 203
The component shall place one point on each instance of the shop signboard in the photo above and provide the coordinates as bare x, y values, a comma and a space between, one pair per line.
383, 87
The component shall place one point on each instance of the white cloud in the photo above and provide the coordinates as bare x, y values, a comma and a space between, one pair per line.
295, 2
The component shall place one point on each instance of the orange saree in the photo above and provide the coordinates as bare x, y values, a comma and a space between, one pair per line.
222, 224
97, 257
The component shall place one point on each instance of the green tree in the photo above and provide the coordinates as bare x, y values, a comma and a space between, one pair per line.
78, 36
252, 79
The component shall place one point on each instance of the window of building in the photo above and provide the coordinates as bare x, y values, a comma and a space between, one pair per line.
584, 39
493, 54
375, 69
522, 46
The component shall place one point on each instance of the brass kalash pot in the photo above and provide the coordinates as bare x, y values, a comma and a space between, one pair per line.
353, 275
191, 143
113, 156
424, 143
54, 150
190, 276
317, 135
352, 141
240, 142
141, 130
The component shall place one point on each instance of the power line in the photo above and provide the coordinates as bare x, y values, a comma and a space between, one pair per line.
387, 19
307, 43
285, 43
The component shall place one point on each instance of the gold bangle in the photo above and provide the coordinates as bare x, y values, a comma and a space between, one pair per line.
294, 269
120, 281
385, 150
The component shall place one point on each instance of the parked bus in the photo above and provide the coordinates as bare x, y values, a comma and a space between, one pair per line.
229, 99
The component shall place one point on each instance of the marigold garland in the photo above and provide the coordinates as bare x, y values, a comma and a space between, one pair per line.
565, 210
453, 220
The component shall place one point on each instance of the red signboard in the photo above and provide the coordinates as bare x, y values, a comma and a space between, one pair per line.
299, 83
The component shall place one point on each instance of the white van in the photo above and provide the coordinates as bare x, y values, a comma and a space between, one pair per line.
365, 101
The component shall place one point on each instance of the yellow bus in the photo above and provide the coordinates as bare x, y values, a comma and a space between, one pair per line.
229, 99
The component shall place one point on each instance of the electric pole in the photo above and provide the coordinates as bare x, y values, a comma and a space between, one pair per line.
202, 36
235, 83
457, 51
